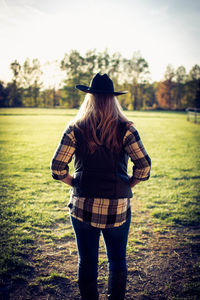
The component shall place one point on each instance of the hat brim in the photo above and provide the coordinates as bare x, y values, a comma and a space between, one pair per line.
87, 89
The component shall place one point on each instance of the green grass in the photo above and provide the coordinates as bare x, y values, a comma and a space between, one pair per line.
172, 194
33, 206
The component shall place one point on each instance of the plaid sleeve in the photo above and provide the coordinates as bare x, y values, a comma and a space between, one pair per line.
135, 149
63, 155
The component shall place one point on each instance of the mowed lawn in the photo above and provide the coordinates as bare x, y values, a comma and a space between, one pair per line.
33, 204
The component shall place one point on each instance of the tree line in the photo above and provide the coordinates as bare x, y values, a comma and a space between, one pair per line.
177, 90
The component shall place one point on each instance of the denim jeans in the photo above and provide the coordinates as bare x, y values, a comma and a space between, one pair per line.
87, 238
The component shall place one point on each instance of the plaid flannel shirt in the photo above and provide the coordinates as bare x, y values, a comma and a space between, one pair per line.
99, 212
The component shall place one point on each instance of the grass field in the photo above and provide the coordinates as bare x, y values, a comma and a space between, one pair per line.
33, 207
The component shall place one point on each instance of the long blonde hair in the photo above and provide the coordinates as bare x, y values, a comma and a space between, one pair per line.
98, 119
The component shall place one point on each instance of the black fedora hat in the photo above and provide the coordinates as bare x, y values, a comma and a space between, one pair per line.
101, 84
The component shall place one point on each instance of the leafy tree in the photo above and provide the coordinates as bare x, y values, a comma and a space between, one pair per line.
50, 98
194, 73
169, 73
197, 96
114, 71
148, 97
103, 61
73, 64
37, 84
3, 95
137, 70
165, 91
15, 95
90, 65
31, 82
193, 87
180, 77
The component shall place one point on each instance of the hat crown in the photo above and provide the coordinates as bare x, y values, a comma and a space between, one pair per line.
102, 83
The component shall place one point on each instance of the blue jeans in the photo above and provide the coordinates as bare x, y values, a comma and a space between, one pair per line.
87, 238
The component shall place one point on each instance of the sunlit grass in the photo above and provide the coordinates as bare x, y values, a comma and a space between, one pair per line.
172, 194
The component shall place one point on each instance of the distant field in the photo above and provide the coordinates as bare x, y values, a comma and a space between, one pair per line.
32, 202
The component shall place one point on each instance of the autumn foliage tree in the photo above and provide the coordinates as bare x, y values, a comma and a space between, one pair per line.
166, 89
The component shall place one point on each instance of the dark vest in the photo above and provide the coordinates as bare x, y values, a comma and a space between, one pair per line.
102, 174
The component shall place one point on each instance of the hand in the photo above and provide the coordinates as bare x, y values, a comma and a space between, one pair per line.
133, 181
68, 179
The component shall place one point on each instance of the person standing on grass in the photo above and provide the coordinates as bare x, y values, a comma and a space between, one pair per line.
101, 139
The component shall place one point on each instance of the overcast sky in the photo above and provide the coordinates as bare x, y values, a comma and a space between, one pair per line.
164, 31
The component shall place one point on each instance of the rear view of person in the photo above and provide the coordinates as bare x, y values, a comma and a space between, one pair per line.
101, 140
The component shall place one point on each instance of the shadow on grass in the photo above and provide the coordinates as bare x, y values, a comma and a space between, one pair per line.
54, 286
186, 178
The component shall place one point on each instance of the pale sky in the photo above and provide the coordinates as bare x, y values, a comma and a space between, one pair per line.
164, 31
